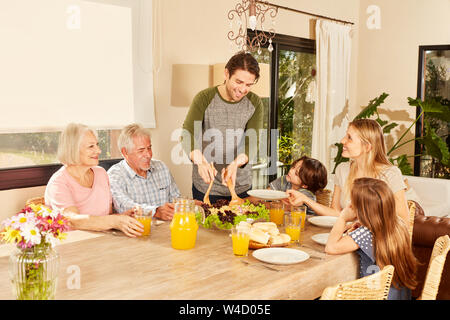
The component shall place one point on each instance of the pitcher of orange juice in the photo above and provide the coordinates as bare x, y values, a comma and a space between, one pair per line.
184, 226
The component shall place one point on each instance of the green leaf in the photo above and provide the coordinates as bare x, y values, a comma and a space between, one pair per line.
432, 108
381, 122
371, 108
339, 158
435, 146
389, 127
402, 163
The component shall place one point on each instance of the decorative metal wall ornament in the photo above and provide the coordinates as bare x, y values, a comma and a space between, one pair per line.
252, 14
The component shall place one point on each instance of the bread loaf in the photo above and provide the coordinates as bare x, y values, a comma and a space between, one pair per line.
258, 235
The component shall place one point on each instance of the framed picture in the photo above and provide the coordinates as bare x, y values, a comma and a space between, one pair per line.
433, 83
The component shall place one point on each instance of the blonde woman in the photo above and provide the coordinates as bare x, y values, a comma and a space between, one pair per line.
364, 145
382, 239
81, 188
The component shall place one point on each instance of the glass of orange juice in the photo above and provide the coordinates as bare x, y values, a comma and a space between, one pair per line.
293, 227
276, 211
299, 212
240, 238
146, 219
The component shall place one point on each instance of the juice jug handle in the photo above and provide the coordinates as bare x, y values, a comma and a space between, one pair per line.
201, 210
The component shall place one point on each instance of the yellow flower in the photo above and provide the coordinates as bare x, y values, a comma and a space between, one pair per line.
11, 235
35, 207
61, 236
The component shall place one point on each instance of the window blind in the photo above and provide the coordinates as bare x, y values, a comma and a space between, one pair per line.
68, 61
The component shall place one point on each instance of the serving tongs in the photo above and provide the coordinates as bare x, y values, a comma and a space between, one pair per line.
235, 200
206, 197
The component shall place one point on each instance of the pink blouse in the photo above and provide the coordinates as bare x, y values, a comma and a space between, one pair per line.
64, 191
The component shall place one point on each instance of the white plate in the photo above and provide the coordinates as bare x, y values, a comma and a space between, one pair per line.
323, 221
320, 238
280, 255
268, 194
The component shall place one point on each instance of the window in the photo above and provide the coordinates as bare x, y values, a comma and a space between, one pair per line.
29, 159
39, 148
433, 84
57, 68
290, 109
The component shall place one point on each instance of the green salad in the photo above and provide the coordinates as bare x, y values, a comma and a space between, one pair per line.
224, 216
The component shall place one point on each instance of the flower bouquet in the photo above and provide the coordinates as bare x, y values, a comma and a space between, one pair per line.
34, 265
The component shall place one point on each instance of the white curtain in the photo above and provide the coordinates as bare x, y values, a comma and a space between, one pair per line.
333, 48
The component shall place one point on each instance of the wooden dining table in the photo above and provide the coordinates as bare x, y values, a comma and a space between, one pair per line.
110, 265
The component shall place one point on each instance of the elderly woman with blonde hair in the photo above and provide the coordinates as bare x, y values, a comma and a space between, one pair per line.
81, 188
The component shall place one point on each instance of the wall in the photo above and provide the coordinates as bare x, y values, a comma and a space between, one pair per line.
195, 32
188, 40
388, 57
12, 201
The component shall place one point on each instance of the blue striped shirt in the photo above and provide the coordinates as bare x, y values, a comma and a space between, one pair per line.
130, 189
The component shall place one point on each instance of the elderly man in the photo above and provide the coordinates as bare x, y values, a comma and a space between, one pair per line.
139, 180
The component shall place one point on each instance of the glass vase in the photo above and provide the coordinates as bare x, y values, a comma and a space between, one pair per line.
34, 273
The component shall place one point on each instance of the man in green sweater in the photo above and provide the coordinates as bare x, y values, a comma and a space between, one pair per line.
221, 131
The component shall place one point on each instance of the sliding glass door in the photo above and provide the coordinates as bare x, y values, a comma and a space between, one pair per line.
289, 111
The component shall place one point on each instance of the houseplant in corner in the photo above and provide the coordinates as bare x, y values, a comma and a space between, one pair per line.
34, 263
435, 146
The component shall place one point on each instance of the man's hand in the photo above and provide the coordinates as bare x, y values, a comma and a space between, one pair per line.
131, 212
165, 212
230, 172
206, 170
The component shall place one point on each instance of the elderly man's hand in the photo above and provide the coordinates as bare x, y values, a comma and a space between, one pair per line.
165, 212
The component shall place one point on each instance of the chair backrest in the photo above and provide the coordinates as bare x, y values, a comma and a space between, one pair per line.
412, 215
324, 197
35, 200
435, 268
373, 287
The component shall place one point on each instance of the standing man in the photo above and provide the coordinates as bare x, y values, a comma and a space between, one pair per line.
221, 114
139, 180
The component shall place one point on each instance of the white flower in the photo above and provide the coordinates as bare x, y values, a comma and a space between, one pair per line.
49, 238
24, 219
10, 222
47, 212
30, 233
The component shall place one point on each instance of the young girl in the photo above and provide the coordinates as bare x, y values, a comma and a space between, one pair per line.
382, 239
306, 175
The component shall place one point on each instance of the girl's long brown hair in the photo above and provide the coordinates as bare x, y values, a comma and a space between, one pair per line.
374, 203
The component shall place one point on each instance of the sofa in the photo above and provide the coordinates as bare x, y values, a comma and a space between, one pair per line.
432, 194
430, 224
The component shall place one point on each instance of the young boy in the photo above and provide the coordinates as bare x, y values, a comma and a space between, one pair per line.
306, 175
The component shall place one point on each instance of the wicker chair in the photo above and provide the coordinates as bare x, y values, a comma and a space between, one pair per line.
412, 215
373, 287
435, 268
324, 197
35, 200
